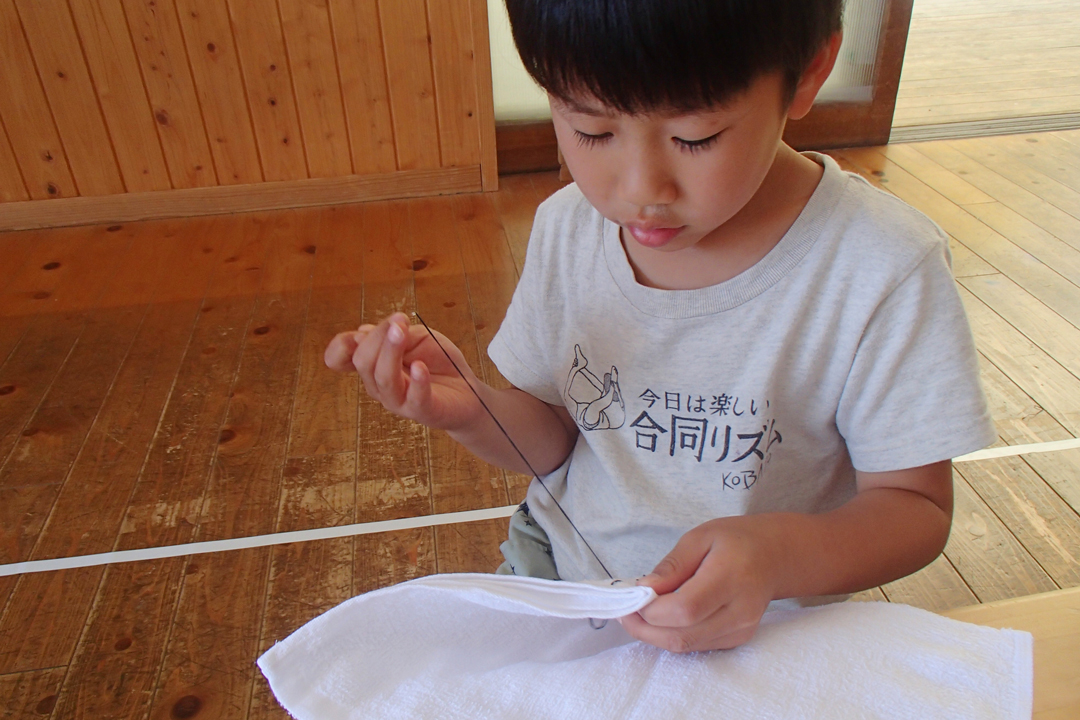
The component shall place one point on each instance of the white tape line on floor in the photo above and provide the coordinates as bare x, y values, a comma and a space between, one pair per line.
169, 551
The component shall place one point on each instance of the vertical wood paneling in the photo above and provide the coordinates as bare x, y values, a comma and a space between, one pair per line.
115, 97
162, 57
362, 69
269, 88
54, 43
111, 57
454, 63
313, 65
485, 101
412, 90
214, 64
27, 117
12, 186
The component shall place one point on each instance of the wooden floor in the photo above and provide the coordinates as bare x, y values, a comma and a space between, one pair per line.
162, 383
979, 60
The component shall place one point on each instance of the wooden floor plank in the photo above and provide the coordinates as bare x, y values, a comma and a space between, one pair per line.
1037, 197
1041, 280
459, 479
492, 277
58, 319
991, 560
936, 587
1042, 522
216, 631
1039, 324
951, 185
307, 579
1053, 387
1047, 154
516, 204
324, 409
29, 694
393, 473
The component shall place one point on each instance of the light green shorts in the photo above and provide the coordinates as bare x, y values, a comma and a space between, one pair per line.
527, 549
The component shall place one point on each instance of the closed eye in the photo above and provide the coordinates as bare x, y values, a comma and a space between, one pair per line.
694, 146
586, 140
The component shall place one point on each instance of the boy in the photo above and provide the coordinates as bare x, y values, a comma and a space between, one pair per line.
741, 370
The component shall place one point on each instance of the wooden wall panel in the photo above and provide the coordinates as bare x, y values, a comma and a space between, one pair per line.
261, 45
27, 117
159, 46
412, 88
114, 68
110, 104
359, 47
12, 187
55, 46
313, 64
216, 69
454, 63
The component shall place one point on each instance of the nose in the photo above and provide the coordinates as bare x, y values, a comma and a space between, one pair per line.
646, 181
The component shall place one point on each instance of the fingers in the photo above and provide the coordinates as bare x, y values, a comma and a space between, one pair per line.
339, 352
389, 375
727, 629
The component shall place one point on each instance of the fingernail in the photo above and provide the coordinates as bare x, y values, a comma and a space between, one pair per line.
395, 333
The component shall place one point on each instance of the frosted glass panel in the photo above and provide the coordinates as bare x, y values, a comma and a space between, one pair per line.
517, 97
852, 79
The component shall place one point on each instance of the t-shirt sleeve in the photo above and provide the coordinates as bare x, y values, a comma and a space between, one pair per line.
913, 395
522, 347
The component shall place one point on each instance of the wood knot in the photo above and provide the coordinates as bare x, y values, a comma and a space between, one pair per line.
262, 330
123, 644
226, 435
45, 705
30, 432
50, 265
209, 350
187, 706
419, 264
114, 228
211, 47
191, 569
273, 68
878, 173
234, 258
41, 295
272, 101
52, 189
7, 389
449, 304
162, 117
310, 249
207, 251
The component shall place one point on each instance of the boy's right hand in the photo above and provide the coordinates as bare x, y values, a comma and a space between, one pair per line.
402, 367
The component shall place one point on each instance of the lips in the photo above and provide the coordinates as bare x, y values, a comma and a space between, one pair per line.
652, 236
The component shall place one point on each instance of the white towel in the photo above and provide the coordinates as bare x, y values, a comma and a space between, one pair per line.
502, 647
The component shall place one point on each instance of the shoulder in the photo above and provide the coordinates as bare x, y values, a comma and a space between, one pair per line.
878, 225
873, 241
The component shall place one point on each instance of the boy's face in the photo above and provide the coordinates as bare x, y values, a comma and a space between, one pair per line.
672, 180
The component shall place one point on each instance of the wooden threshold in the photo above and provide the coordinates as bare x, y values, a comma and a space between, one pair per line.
983, 128
33, 214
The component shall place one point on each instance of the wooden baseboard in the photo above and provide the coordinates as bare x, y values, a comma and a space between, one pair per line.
33, 214
526, 147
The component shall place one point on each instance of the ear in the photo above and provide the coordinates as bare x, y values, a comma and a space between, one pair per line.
814, 77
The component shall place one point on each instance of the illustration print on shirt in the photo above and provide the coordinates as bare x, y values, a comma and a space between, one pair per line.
599, 403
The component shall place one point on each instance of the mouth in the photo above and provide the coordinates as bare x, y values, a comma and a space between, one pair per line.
653, 236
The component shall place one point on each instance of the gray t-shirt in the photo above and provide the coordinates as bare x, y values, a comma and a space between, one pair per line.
845, 347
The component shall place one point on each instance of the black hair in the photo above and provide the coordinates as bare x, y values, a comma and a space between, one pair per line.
644, 55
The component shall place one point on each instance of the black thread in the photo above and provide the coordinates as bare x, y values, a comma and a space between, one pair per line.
513, 445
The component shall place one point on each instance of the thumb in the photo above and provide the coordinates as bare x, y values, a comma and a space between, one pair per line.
678, 566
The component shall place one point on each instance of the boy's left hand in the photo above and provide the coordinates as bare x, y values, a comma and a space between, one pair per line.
713, 587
